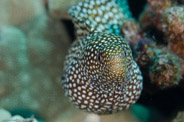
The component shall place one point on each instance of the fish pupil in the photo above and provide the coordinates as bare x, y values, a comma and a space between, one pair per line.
99, 57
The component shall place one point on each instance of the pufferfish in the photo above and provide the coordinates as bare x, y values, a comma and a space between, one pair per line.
100, 75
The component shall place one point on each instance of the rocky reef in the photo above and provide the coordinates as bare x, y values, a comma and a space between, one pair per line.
36, 35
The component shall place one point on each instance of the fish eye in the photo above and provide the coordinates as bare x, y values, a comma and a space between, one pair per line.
125, 53
100, 57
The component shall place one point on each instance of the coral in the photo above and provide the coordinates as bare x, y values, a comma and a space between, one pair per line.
149, 18
169, 19
175, 29
14, 13
175, 20
163, 66
142, 52
165, 72
131, 31
6, 116
160, 6
179, 117
31, 57
153, 14
11, 58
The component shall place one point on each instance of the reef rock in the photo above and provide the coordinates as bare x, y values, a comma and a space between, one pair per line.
15, 12
31, 57
59, 8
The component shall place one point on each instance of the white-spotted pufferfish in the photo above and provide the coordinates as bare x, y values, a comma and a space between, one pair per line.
100, 74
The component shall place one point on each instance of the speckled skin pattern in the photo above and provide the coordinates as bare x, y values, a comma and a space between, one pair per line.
99, 15
100, 74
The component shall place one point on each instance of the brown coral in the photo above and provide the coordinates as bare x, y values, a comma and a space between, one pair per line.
175, 29
165, 72
168, 18
159, 64
131, 31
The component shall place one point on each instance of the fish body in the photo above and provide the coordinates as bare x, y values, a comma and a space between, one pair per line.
101, 75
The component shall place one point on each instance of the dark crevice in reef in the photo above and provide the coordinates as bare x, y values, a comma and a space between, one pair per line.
155, 35
136, 7
69, 28
165, 101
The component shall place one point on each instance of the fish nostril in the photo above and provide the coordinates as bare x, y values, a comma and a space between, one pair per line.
121, 54
111, 57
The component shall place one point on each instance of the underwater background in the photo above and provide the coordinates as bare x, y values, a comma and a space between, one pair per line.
35, 36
